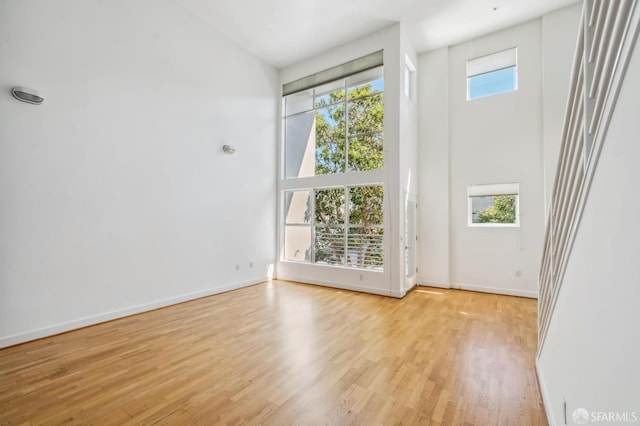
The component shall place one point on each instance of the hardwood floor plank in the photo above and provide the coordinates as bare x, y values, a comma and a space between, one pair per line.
282, 353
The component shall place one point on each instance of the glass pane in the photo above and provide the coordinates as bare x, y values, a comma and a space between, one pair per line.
493, 209
297, 243
329, 244
299, 145
329, 209
371, 81
366, 115
330, 93
297, 207
298, 102
492, 83
365, 205
366, 152
330, 140
329, 232
365, 248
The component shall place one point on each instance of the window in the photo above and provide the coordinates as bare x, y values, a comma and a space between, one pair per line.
297, 229
409, 72
332, 177
492, 74
336, 127
494, 205
335, 226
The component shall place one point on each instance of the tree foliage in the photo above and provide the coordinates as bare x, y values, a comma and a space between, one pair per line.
356, 124
503, 210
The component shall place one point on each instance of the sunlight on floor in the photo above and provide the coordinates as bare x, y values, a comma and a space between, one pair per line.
428, 291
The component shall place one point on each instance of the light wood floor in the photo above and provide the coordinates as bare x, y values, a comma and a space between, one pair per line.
282, 353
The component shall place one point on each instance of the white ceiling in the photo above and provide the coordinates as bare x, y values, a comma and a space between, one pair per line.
283, 32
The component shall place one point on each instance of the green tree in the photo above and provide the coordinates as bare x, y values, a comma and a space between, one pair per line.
349, 138
503, 210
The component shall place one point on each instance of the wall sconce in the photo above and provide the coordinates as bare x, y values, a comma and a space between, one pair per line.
29, 96
228, 149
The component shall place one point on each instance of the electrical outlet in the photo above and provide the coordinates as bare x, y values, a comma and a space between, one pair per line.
361, 277
518, 273
250, 264
237, 267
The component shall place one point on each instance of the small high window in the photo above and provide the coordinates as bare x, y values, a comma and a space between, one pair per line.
494, 205
492, 74
409, 76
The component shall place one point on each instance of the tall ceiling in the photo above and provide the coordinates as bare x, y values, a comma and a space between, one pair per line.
283, 32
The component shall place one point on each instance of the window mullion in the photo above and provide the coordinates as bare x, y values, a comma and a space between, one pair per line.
357, 135
312, 256
347, 212
346, 125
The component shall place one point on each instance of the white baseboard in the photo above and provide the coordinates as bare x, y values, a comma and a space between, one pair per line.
496, 290
396, 294
343, 286
545, 395
434, 284
96, 319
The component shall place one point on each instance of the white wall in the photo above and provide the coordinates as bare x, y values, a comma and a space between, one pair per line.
115, 194
433, 173
390, 281
559, 37
590, 356
497, 139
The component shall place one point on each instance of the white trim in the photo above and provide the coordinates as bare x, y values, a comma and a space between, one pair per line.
494, 225
334, 266
482, 289
342, 286
433, 284
546, 401
332, 180
109, 316
496, 290
492, 190
397, 294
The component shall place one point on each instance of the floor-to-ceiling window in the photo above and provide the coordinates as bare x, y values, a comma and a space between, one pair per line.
331, 181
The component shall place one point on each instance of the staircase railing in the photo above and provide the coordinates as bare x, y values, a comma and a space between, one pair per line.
607, 33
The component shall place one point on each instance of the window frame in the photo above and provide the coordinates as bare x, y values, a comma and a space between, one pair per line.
346, 224
314, 108
372, 257
409, 78
492, 190
489, 64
